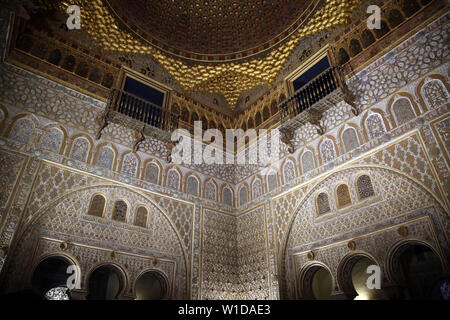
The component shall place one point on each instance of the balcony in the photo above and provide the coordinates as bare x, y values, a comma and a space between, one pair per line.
142, 116
308, 103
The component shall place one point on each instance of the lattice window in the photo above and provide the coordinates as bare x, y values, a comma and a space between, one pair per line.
97, 206
152, 173
53, 140
80, 149
375, 126
308, 163
106, 158
173, 180
272, 182
343, 196
365, 187
141, 217
257, 189
120, 211
210, 191
130, 165
243, 196
350, 139
192, 186
403, 111
327, 151
58, 293
227, 196
436, 94
22, 130
288, 171
323, 203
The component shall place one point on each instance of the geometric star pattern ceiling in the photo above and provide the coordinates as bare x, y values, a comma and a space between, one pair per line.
229, 77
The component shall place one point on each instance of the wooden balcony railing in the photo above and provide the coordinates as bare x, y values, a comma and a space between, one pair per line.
145, 112
142, 116
308, 103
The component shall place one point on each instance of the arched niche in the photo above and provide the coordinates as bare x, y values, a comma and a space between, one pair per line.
106, 282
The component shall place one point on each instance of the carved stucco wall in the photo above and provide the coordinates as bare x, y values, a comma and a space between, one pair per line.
211, 251
398, 200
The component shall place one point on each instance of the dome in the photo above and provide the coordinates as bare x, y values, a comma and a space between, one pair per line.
211, 28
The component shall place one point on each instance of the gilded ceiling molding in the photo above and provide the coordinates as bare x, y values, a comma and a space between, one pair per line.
227, 78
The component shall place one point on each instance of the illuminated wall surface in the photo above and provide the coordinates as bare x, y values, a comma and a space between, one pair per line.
373, 189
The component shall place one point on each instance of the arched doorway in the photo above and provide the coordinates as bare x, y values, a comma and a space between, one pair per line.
105, 283
151, 285
416, 268
49, 279
354, 274
317, 284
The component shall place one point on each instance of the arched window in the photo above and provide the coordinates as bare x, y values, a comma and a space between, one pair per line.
403, 111
274, 106
141, 217
96, 75
22, 130
152, 173
227, 196
323, 204
355, 47
83, 69
130, 165
185, 115
343, 196
289, 171
272, 181
40, 50
192, 186
383, 30
53, 140
243, 196
80, 149
365, 187
257, 189
210, 190
120, 211
327, 151
395, 18
367, 38
266, 113
54, 57
375, 126
175, 108
97, 206
350, 139
258, 119
204, 123
173, 179
69, 63
343, 56
410, 7
435, 93
108, 80
194, 117
308, 162
250, 123
106, 158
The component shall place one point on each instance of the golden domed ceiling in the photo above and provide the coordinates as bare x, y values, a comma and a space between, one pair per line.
258, 36
212, 29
